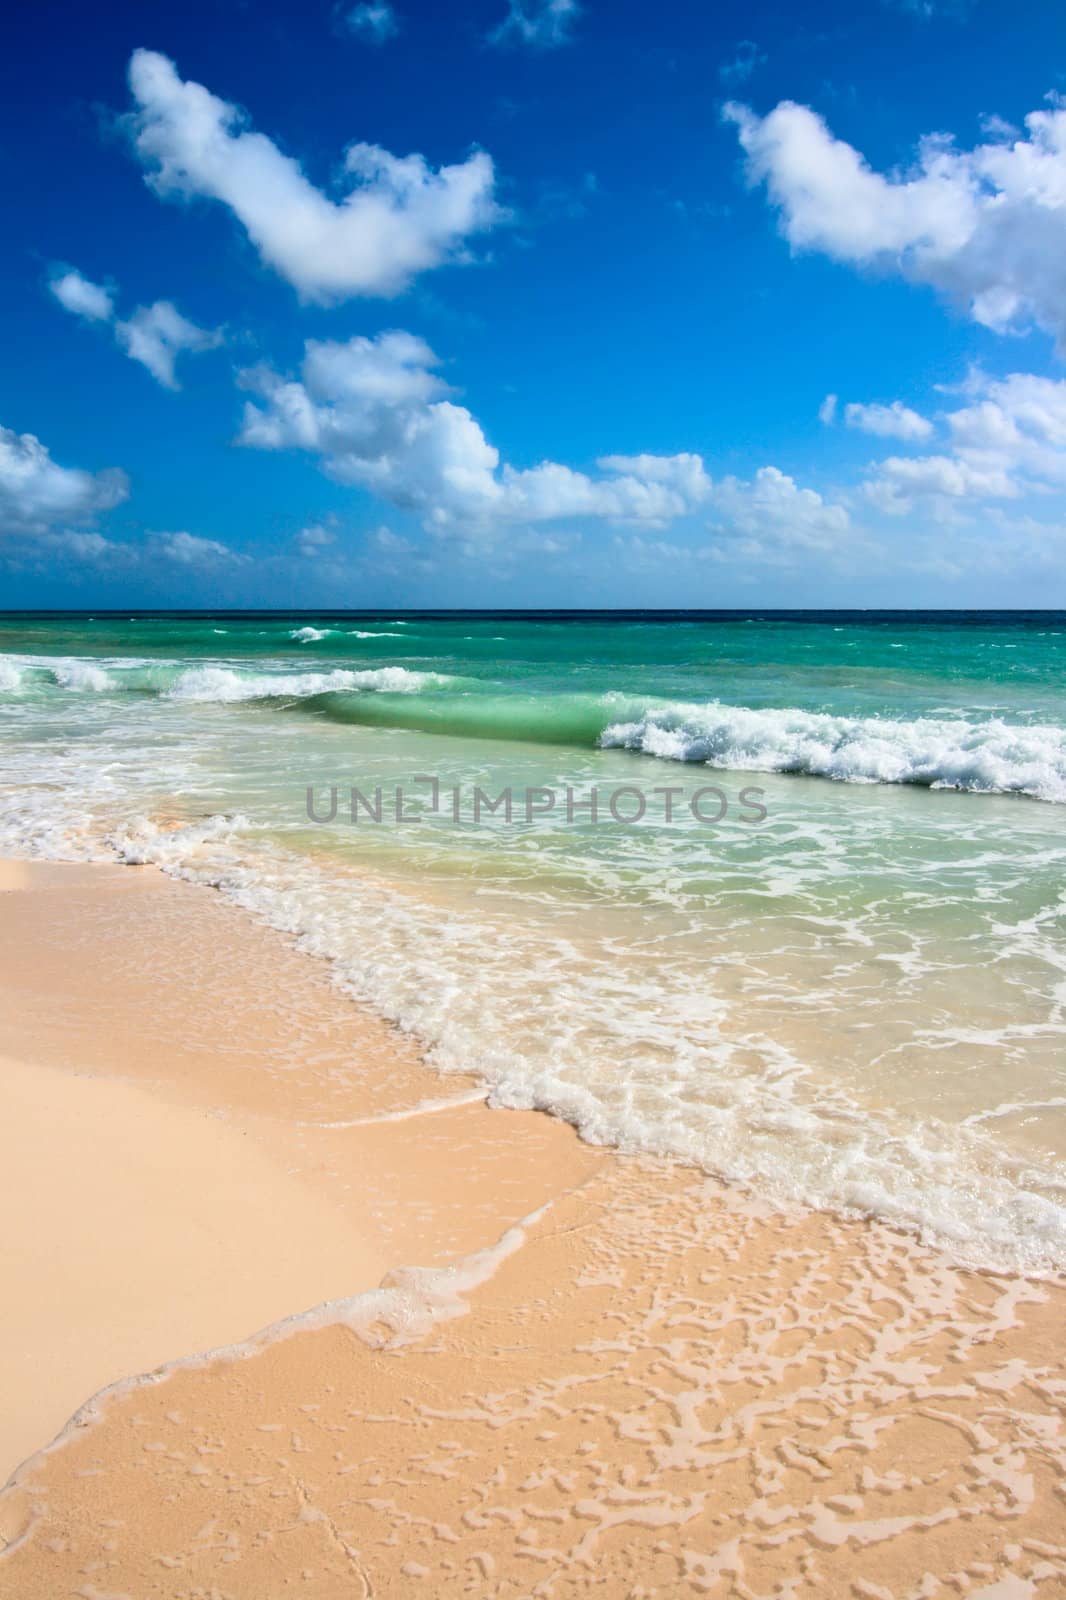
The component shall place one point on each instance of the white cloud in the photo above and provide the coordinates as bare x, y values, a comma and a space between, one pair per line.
313, 540
156, 335
190, 550
772, 508
376, 21
828, 409
91, 548
83, 298
1017, 423
399, 218
895, 421
648, 489
37, 494
378, 416
1015, 428
986, 226
901, 477
1008, 441
541, 24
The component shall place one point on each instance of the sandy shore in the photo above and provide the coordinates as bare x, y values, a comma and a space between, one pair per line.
145, 1238
617, 1379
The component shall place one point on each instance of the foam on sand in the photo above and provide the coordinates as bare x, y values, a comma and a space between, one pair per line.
148, 1242
654, 1387
698, 1086
652, 1383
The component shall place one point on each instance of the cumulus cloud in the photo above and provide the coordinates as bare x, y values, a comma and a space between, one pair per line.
154, 335
1015, 427
1009, 440
895, 421
1019, 421
313, 540
85, 547
37, 495
900, 478
399, 218
190, 550
376, 21
683, 474
828, 409
986, 227
772, 508
84, 299
541, 24
377, 415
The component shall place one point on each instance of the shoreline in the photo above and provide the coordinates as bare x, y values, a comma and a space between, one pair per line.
131, 1152
835, 1322
184, 1267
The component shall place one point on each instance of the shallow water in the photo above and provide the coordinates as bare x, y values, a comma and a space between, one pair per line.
857, 1000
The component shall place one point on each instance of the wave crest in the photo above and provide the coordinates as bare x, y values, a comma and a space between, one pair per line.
991, 757
228, 684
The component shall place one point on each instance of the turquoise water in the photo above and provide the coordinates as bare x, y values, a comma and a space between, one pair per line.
846, 988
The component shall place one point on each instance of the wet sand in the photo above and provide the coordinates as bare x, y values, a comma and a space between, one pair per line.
621, 1379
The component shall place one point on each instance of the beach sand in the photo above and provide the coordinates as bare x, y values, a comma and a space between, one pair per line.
611, 1377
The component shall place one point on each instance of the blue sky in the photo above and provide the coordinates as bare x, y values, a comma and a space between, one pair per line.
538, 303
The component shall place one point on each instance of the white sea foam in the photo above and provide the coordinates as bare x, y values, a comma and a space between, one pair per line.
546, 1028
655, 1038
143, 842
407, 1304
309, 635
82, 676
230, 684
991, 757
212, 681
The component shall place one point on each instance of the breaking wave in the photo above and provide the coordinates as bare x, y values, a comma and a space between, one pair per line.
990, 756
230, 684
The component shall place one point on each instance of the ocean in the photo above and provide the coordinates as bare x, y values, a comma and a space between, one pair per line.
812, 939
